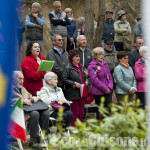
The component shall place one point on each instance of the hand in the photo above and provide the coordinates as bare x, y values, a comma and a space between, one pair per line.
38, 26
27, 102
54, 18
132, 91
107, 91
86, 82
35, 15
61, 101
35, 99
78, 85
71, 40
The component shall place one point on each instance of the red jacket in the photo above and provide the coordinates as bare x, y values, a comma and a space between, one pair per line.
33, 80
140, 74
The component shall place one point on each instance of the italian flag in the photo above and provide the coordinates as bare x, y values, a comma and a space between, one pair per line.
17, 123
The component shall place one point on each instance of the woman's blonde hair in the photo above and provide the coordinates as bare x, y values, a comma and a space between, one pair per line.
97, 51
68, 10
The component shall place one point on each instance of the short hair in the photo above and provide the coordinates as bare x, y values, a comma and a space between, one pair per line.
138, 38
96, 51
55, 2
50, 76
15, 74
80, 37
142, 48
36, 4
54, 37
81, 20
73, 53
29, 48
121, 55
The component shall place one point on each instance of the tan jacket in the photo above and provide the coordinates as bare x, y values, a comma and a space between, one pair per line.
23, 94
121, 30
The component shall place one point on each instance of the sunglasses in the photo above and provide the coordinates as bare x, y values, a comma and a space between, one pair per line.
140, 43
60, 40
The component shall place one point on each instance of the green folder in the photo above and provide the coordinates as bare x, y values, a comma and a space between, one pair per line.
46, 65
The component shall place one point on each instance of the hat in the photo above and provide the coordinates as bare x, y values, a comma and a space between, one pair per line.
108, 40
120, 13
109, 10
139, 17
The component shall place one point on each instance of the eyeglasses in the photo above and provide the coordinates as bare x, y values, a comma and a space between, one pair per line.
60, 40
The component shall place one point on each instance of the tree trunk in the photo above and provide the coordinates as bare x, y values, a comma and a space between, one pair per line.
100, 24
89, 22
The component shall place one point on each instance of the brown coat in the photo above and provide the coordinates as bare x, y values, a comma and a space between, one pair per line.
23, 94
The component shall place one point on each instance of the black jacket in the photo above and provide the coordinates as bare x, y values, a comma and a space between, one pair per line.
70, 76
85, 57
60, 63
133, 57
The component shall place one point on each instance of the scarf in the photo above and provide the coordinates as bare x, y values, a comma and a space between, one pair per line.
126, 65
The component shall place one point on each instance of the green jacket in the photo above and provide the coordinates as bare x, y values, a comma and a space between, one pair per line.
122, 29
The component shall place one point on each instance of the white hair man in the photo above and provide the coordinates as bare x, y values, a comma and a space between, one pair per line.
34, 23
35, 117
58, 22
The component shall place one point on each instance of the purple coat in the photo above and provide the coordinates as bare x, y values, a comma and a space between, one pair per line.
140, 75
100, 76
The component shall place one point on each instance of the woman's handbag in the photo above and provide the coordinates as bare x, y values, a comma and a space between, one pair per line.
127, 44
56, 106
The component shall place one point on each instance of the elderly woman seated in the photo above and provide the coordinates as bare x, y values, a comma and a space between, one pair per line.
50, 92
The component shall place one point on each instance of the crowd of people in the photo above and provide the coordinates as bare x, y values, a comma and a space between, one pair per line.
106, 69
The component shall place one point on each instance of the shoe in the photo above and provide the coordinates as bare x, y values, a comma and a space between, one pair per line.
35, 144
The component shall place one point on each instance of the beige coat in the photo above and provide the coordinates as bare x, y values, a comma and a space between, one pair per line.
121, 30
24, 94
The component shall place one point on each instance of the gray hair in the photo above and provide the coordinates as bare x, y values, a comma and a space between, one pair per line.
36, 4
15, 74
143, 48
50, 76
55, 2
80, 37
81, 20
138, 38
54, 37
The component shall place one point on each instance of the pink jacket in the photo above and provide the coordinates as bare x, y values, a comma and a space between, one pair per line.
140, 74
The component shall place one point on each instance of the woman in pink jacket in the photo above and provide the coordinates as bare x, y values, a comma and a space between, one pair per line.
140, 74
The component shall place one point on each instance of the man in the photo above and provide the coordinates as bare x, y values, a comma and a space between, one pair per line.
86, 56
59, 21
110, 55
108, 30
35, 117
134, 54
59, 56
34, 25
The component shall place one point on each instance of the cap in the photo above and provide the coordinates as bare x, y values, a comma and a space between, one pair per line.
108, 40
139, 17
120, 13
109, 10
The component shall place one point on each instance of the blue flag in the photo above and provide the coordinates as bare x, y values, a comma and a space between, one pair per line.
8, 38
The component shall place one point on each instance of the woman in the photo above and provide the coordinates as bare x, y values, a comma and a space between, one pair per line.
124, 77
71, 30
102, 82
140, 74
33, 80
122, 30
73, 78
50, 92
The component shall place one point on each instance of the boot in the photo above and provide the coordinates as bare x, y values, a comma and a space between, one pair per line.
35, 143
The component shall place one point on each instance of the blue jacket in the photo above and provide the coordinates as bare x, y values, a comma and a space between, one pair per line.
108, 30
72, 30
124, 78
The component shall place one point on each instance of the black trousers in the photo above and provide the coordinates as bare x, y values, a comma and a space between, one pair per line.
38, 118
108, 100
67, 116
119, 46
142, 97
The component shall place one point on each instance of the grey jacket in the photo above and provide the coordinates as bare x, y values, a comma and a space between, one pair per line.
60, 63
125, 79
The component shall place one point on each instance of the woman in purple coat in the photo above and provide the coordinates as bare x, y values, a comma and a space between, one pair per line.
102, 81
